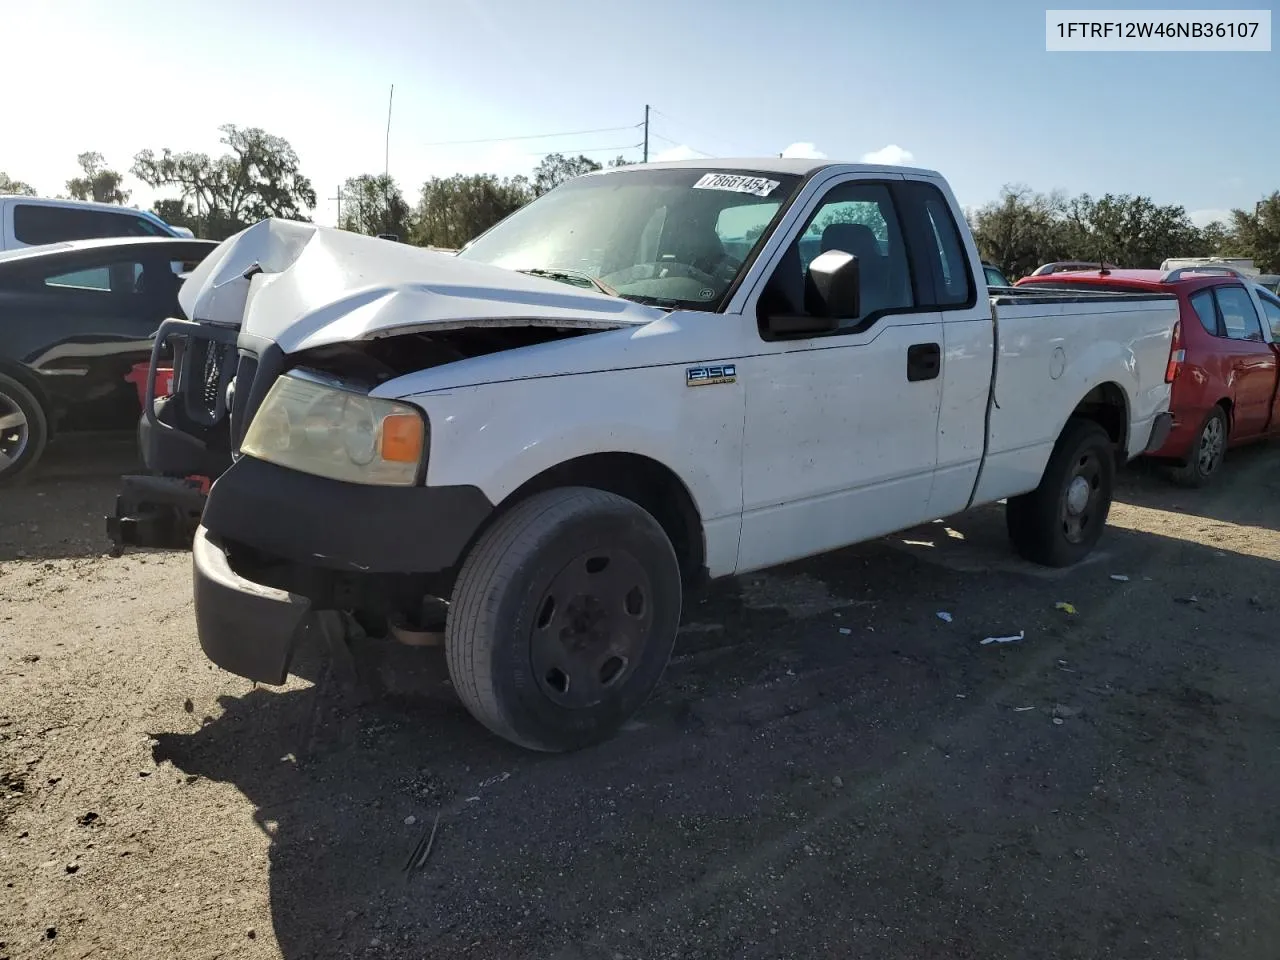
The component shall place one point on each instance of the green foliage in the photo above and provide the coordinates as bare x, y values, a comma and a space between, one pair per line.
454, 210
555, 169
259, 177
1257, 234
99, 183
372, 204
1024, 229
9, 185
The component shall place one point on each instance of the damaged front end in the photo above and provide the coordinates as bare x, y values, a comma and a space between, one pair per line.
282, 296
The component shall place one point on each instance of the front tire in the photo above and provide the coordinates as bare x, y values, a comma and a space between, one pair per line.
24, 430
1207, 453
1059, 523
563, 618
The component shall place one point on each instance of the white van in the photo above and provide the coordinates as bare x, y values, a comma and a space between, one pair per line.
34, 221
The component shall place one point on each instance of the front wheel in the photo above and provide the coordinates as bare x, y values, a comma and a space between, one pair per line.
1059, 523
563, 618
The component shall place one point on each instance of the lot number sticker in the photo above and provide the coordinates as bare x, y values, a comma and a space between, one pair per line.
737, 183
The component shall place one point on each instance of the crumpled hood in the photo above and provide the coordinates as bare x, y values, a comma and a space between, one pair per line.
318, 285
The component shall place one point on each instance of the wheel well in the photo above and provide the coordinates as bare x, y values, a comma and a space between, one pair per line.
1106, 406
643, 481
1227, 408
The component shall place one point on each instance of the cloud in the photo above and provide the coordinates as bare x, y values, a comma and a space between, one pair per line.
892, 155
804, 150
680, 152
1202, 218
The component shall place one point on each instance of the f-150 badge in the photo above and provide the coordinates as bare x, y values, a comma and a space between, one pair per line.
714, 373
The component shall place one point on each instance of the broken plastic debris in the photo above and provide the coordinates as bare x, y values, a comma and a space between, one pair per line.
846, 631
1119, 578
1191, 599
1064, 607
1021, 635
494, 779
1059, 721
944, 616
1022, 709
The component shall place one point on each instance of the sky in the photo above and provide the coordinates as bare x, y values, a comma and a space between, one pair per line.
965, 89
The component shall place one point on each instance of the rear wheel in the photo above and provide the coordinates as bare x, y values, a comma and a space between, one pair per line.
24, 429
1207, 454
1059, 523
563, 618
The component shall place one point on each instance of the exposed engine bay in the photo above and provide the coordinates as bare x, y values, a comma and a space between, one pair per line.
374, 361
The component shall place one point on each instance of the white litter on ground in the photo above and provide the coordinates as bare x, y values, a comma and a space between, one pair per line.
1021, 635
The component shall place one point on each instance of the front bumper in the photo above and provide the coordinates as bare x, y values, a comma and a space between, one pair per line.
275, 546
244, 627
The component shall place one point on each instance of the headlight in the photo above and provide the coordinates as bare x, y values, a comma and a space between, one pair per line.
319, 429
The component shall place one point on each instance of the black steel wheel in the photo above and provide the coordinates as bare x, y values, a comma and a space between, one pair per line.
563, 618
1060, 522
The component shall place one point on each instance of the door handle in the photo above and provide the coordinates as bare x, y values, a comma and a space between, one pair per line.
924, 361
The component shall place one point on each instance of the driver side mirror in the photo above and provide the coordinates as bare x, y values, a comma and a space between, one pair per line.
831, 294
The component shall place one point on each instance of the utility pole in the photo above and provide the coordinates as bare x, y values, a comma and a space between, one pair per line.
646, 133
338, 197
386, 177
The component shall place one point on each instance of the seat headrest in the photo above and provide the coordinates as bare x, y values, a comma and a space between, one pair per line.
855, 238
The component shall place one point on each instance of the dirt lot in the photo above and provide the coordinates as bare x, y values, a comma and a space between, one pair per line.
828, 769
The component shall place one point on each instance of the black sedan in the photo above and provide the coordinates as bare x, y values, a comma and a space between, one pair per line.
75, 318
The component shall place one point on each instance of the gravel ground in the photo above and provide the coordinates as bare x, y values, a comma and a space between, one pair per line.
828, 769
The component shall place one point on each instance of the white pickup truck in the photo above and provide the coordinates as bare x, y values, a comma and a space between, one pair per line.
649, 376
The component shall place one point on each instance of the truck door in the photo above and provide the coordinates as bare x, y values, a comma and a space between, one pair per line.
840, 440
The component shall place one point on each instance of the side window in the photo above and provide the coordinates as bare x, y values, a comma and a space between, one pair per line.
1239, 318
945, 248
1271, 308
36, 224
119, 277
994, 277
1202, 304
858, 218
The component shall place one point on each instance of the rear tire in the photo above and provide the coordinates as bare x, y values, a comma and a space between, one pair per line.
24, 430
563, 618
1204, 463
1059, 523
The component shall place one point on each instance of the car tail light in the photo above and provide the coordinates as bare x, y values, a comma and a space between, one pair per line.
1176, 354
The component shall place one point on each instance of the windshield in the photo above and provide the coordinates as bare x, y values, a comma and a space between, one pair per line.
670, 237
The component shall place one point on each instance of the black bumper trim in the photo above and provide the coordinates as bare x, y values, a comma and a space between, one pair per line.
244, 627
1160, 430
330, 524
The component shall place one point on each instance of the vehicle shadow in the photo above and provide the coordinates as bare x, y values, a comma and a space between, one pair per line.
58, 511
1256, 466
827, 763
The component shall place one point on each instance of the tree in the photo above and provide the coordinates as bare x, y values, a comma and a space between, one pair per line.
555, 169
1021, 230
456, 209
1131, 231
9, 185
98, 183
1257, 234
258, 178
620, 161
373, 204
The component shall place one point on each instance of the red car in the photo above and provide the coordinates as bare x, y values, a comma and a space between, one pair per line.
1225, 378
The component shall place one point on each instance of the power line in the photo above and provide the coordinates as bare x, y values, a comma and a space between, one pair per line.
677, 143
680, 123
532, 136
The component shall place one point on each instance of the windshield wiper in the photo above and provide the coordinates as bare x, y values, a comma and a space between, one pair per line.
573, 275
